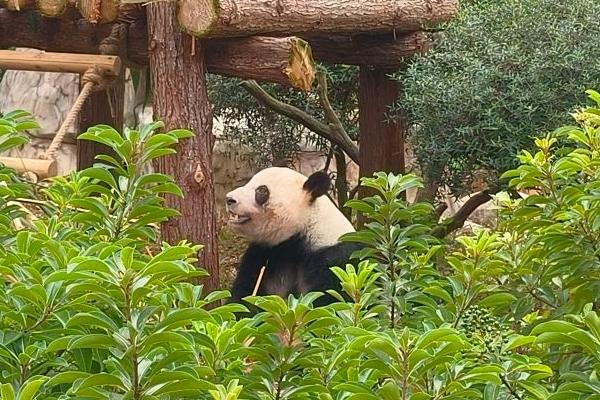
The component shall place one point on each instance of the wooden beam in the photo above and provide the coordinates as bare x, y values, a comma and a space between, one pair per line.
381, 142
286, 61
99, 11
387, 51
231, 18
59, 62
265, 55
71, 34
41, 168
17, 5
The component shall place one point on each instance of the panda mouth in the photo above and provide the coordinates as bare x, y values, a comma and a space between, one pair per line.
238, 219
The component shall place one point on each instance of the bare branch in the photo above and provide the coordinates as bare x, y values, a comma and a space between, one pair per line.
302, 117
457, 221
439, 210
331, 117
341, 182
322, 91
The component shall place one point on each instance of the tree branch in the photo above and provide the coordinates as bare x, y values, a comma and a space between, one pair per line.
303, 118
341, 183
439, 210
457, 221
331, 117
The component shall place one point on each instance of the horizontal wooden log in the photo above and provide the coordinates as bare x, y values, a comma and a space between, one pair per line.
47, 8
17, 5
230, 18
283, 60
59, 62
51, 8
42, 168
384, 51
286, 61
69, 34
79, 36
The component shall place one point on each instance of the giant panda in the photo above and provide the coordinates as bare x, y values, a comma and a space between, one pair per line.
293, 228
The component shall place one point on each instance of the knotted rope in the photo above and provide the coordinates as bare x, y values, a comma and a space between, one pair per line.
92, 79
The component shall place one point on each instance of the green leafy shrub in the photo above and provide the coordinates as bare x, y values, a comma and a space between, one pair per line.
92, 308
499, 73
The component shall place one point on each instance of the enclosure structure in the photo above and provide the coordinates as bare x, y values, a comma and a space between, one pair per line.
275, 41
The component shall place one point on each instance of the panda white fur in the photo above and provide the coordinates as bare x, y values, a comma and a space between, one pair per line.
293, 229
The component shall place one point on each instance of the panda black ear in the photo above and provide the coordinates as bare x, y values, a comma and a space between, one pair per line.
317, 184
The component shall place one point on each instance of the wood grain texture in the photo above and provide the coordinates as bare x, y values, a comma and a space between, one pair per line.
180, 100
69, 34
17, 5
387, 51
287, 61
381, 142
51, 8
59, 62
280, 60
99, 11
228, 18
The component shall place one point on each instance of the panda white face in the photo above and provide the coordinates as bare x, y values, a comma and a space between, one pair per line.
273, 206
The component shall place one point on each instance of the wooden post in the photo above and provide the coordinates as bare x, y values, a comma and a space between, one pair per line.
381, 143
180, 100
102, 107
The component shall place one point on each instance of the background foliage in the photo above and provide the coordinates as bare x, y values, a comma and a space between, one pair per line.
499, 73
272, 136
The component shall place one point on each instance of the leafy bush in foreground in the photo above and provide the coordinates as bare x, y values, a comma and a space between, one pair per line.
92, 308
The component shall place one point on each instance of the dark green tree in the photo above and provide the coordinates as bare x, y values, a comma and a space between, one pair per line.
500, 73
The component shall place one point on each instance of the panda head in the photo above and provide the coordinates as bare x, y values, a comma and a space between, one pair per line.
278, 203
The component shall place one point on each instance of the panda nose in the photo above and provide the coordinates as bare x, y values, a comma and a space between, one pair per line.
230, 201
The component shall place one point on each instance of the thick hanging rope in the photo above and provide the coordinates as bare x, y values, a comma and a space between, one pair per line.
92, 79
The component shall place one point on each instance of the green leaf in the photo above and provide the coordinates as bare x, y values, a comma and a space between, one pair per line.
29, 390
7, 392
92, 341
100, 379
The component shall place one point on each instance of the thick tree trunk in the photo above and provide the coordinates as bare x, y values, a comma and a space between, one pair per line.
381, 142
286, 61
180, 100
228, 18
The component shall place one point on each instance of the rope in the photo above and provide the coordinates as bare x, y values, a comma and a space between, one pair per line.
92, 79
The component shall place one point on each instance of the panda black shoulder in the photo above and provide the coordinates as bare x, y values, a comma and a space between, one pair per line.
292, 266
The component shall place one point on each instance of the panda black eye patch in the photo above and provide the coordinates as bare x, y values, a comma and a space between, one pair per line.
261, 194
